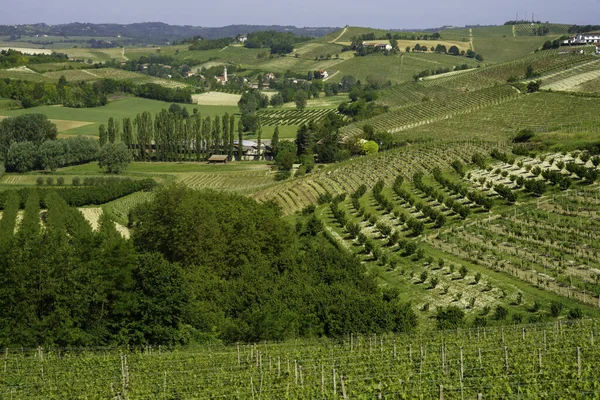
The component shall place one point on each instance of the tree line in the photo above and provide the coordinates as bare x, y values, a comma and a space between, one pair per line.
83, 94
13, 58
200, 266
173, 135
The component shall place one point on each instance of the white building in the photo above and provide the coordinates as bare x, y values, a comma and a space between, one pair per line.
584, 38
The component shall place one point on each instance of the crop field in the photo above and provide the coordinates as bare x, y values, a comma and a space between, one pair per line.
591, 86
554, 29
555, 360
500, 49
272, 117
397, 68
49, 67
216, 99
314, 49
23, 73
96, 55
28, 50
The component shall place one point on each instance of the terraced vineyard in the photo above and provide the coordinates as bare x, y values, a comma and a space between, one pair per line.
274, 117
239, 181
427, 112
544, 113
346, 177
570, 78
556, 360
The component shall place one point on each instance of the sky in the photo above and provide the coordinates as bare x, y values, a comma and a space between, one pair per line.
386, 14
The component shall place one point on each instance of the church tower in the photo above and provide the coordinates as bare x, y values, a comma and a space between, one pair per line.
225, 74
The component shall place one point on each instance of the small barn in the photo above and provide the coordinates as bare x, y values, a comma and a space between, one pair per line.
217, 159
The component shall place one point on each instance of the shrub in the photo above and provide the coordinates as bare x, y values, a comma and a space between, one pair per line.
556, 308
49, 180
60, 180
501, 313
39, 180
450, 318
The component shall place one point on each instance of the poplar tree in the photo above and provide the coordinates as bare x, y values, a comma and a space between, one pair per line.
216, 134
240, 151
102, 135
275, 142
127, 136
259, 136
231, 136
206, 135
225, 134
112, 130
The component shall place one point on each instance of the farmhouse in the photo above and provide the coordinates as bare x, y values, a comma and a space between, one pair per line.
324, 74
381, 46
250, 150
222, 79
242, 38
269, 76
583, 38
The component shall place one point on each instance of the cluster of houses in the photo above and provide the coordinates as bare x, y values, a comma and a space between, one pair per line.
381, 46
249, 152
584, 38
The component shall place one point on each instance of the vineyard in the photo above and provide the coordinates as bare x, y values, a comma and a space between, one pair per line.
557, 360
427, 112
274, 117
346, 177
542, 112
522, 221
570, 78
240, 181
553, 29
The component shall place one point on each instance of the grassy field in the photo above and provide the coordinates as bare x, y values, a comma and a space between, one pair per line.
396, 68
549, 114
499, 49
127, 107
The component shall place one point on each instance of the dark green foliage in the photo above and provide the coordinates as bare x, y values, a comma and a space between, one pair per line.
114, 157
250, 295
21, 157
451, 317
556, 308
34, 128
524, 135
97, 191
501, 313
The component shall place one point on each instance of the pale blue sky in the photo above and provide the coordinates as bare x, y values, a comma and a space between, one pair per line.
379, 14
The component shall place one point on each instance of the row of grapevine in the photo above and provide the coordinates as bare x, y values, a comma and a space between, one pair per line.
428, 112
551, 361
270, 117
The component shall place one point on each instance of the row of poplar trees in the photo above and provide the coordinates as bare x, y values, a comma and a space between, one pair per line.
173, 135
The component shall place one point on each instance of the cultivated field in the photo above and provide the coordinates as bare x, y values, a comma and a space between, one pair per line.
216, 99
27, 50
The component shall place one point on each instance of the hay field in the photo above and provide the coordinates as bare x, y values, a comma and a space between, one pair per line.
26, 50
216, 99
